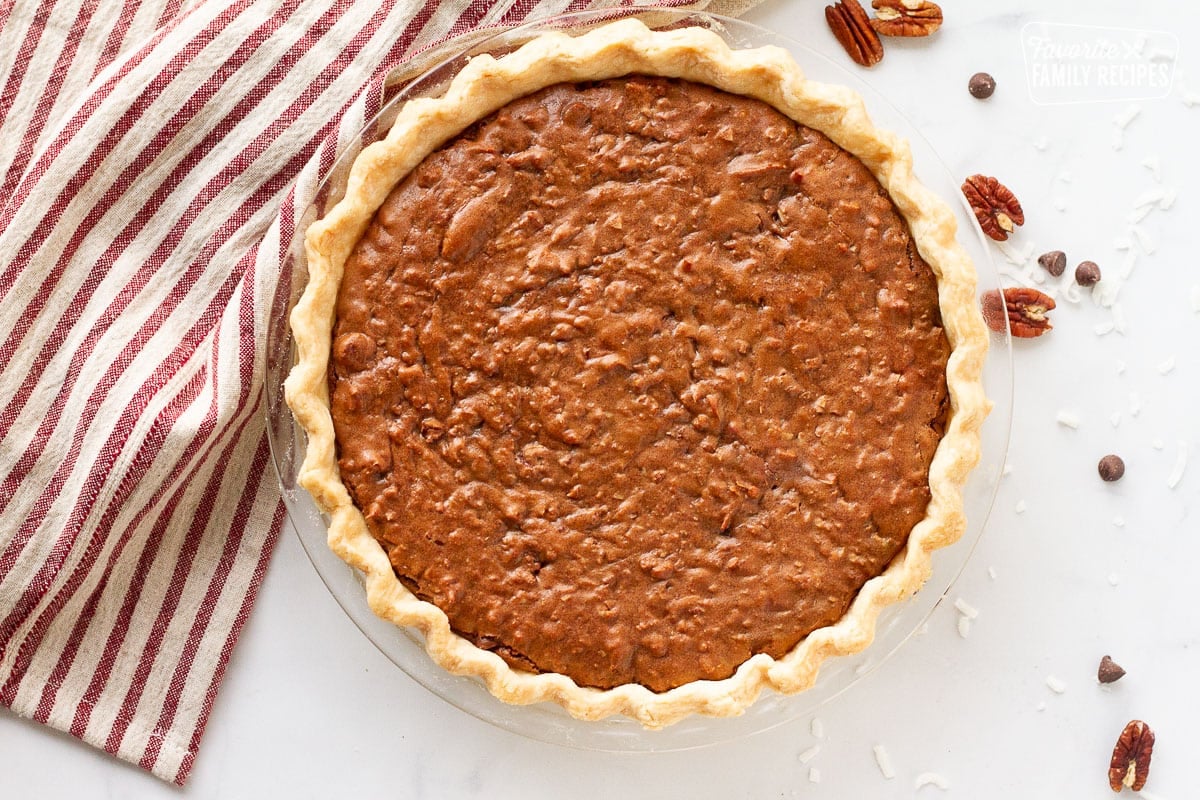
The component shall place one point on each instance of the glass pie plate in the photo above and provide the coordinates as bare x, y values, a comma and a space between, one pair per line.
545, 721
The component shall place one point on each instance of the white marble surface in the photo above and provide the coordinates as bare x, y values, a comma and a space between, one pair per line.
311, 709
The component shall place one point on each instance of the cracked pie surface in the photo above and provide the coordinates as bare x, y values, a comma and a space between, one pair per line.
638, 373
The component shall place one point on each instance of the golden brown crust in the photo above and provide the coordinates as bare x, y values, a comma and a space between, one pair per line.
579, 358
623, 48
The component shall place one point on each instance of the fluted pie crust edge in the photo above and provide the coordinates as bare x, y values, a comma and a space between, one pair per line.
628, 47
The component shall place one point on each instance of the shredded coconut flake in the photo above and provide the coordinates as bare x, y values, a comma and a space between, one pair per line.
1113, 579
1139, 214
1166, 365
1115, 418
814, 775
1189, 98
1135, 404
884, 761
1120, 367
1018, 258
1006, 469
817, 728
992, 573
964, 627
1118, 316
1056, 686
1101, 291
1119, 521
1040, 144
1168, 200
1020, 507
1068, 419
1060, 204
809, 754
1180, 465
1103, 328
1150, 197
1022, 277
931, 779
1064, 176
965, 608
1144, 239
1041, 706
1104, 293
1158, 444
1154, 165
1118, 138
1122, 243
1127, 263
1127, 116
862, 669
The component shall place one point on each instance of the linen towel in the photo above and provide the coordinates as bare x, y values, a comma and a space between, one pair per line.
156, 157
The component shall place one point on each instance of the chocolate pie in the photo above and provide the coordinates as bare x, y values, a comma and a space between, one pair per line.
638, 373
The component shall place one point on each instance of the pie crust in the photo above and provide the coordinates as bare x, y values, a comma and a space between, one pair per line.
623, 48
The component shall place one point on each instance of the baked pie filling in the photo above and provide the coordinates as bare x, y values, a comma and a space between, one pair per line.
639, 374
637, 379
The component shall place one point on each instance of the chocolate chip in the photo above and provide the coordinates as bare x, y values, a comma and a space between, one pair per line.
1111, 467
1054, 262
1110, 671
981, 85
1087, 273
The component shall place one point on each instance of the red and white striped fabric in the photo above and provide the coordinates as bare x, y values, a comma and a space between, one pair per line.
155, 156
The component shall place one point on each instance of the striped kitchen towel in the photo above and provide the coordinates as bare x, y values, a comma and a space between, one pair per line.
156, 157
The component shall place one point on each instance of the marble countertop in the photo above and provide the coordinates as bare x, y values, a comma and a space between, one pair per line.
1068, 569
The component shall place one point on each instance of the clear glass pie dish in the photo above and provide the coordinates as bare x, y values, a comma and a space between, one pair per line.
548, 722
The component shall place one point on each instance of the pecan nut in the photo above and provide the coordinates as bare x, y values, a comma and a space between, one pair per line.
906, 17
1025, 309
852, 27
996, 208
1130, 764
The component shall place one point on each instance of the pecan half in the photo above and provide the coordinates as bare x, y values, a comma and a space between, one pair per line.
906, 17
994, 205
852, 27
1130, 764
1024, 308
